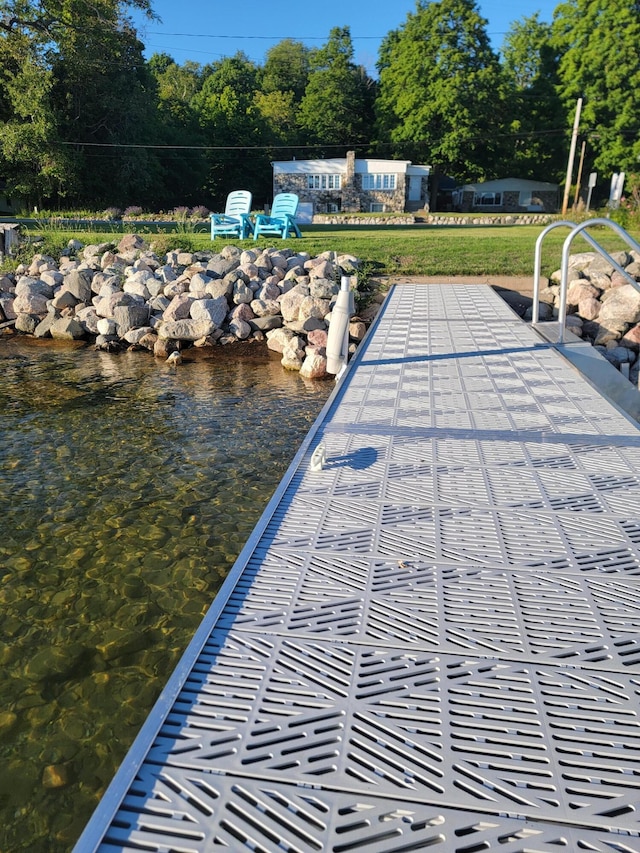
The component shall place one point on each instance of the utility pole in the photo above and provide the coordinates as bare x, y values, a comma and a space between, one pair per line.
579, 178
572, 154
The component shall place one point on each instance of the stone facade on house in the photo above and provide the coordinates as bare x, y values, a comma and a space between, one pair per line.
350, 185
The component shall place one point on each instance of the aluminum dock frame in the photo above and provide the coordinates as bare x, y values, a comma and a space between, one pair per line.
433, 641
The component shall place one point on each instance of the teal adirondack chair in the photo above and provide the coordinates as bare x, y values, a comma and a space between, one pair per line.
281, 221
235, 221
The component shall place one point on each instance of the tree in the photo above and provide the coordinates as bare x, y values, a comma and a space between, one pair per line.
82, 62
184, 163
234, 128
597, 46
442, 94
286, 69
31, 163
538, 121
337, 108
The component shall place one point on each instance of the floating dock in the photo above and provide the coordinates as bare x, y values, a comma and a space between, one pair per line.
433, 641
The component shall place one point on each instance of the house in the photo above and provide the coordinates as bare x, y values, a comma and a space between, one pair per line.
507, 195
350, 185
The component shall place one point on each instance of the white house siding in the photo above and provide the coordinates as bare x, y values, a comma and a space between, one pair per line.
292, 176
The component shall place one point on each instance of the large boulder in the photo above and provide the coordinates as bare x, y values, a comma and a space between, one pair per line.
213, 310
277, 339
78, 282
130, 317
622, 305
179, 308
67, 329
186, 330
291, 301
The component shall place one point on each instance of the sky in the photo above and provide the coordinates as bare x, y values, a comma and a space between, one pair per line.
205, 31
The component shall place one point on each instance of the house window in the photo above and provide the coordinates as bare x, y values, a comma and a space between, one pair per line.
324, 182
377, 207
530, 201
486, 199
332, 207
379, 182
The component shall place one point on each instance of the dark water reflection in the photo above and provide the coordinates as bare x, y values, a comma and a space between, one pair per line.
127, 489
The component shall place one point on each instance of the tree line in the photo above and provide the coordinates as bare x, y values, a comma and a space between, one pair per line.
87, 121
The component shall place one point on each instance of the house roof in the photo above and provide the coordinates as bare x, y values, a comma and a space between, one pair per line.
335, 165
505, 184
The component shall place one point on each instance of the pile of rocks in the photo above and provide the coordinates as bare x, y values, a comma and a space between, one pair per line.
602, 306
126, 296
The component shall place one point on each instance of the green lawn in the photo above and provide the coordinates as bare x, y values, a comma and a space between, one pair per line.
391, 250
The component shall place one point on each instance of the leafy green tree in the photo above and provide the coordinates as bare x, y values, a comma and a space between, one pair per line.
182, 158
538, 122
597, 44
82, 66
442, 96
234, 128
286, 69
31, 163
337, 108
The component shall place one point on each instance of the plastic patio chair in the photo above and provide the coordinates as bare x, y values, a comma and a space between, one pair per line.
235, 221
281, 221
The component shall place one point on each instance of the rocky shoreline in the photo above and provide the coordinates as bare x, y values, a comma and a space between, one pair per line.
602, 306
126, 296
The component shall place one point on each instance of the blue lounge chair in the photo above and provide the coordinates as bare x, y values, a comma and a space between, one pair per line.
281, 221
235, 221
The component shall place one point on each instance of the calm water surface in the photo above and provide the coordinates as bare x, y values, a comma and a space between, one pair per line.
127, 489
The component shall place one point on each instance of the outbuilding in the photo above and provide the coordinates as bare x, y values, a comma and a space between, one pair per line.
507, 195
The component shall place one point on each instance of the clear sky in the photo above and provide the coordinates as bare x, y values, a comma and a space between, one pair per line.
207, 30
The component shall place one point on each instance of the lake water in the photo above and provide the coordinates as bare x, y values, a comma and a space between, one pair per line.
127, 489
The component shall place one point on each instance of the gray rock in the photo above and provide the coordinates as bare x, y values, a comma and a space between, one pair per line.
159, 304
6, 304
88, 319
265, 307
78, 282
242, 293
266, 324
310, 307
107, 326
64, 299
213, 310
623, 305
220, 287
323, 288
26, 303
129, 317
277, 339
179, 307
27, 323
291, 301
240, 329
43, 329
67, 328
30, 286
198, 284
186, 330
134, 336
219, 267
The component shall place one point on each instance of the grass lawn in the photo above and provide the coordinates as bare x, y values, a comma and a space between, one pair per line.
387, 250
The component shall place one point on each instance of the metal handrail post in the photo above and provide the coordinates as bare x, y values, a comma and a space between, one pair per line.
562, 312
537, 263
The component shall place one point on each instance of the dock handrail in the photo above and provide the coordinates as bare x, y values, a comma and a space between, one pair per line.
564, 269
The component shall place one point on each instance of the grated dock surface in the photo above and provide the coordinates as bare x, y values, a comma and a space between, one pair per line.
434, 641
